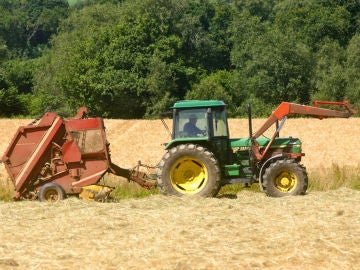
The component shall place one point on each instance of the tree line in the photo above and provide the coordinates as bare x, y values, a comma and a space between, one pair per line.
134, 59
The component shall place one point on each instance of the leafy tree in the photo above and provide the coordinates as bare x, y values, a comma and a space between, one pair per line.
352, 71
62, 68
259, 8
25, 29
202, 31
353, 7
139, 59
270, 66
82, 3
10, 102
329, 75
3, 51
20, 74
27, 24
133, 59
160, 81
43, 19
259, 108
313, 21
12, 22
203, 27
215, 86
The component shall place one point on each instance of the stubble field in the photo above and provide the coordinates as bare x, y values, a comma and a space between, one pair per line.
320, 230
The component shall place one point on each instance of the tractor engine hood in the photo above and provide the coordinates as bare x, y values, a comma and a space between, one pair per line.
294, 143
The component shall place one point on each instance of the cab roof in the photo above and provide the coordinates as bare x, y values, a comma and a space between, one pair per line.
182, 104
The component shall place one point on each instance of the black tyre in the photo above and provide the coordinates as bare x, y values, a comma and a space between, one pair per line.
51, 192
285, 178
189, 169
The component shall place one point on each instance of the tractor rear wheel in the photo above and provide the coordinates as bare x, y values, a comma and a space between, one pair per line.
189, 169
51, 192
285, 178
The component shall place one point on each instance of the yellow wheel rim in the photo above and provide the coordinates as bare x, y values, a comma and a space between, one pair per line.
188, 175
285, 181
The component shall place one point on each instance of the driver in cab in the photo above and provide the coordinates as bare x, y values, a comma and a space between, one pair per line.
190, 127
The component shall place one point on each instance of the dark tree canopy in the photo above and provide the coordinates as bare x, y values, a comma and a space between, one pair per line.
134, 59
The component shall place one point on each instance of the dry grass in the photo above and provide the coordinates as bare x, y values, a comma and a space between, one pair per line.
251, 231
330, 178
248, 230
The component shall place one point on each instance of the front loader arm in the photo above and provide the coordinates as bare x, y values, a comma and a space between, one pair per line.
286, 108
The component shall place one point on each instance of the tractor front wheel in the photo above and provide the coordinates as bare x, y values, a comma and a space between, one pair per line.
51, 192
284, 178
189, 169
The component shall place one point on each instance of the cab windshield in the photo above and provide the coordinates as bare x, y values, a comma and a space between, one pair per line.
190, 123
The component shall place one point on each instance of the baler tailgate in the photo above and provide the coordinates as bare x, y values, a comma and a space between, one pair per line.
30, 147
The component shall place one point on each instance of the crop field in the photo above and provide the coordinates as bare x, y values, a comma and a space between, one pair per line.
245, 230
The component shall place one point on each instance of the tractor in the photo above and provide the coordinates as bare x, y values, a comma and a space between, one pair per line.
201, 157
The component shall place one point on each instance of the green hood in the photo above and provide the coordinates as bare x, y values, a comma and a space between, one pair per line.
278, 142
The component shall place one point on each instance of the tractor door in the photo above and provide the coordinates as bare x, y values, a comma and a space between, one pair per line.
219, 135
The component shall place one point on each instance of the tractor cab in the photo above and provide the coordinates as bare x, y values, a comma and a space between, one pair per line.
199, 120
203, 122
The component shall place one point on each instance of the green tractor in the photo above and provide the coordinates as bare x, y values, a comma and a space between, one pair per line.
201, 157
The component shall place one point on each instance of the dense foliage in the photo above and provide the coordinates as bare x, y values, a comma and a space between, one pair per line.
133, 59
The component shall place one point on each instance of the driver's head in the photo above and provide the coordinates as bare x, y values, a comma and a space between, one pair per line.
193, 118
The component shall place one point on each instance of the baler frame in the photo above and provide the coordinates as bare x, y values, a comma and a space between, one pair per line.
70, 153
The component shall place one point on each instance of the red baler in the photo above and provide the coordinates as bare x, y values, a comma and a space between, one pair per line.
53, 156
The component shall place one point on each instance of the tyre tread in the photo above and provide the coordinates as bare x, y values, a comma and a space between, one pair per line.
164, 184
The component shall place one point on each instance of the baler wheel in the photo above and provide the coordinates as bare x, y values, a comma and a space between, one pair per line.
284, 178
51, 192
189, 169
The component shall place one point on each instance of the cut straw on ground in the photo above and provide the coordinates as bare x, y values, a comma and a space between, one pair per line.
250, 231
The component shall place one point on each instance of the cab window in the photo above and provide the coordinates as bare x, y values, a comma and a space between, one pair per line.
219, 123
191, 123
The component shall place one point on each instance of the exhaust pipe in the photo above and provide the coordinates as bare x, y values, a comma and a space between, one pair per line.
250, 119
